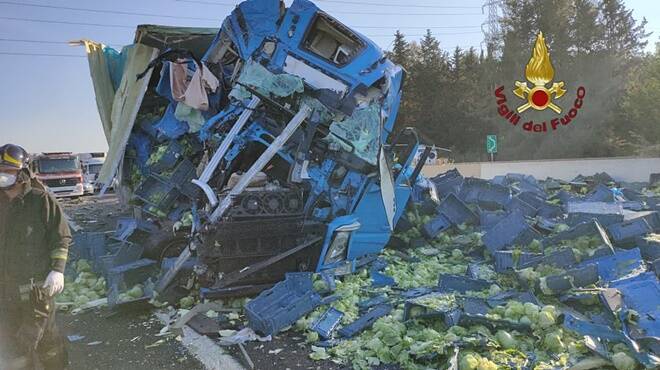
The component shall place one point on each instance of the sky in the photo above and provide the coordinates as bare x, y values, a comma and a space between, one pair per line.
47, 101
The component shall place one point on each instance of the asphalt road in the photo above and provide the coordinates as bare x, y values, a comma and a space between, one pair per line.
122, 342
128, 340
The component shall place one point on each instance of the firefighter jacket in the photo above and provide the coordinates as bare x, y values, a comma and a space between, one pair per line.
34, 237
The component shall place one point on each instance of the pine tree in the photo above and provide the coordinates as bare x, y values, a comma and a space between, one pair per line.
428, 86
456, 62
623, 36
400, 53
586, 32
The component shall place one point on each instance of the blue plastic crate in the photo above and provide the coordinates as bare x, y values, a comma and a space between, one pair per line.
624, 233
451, 211
550, 211
415, 309
649, 248
563, 258
456, 211
283, 304
449, 182
534, 199
603, 219
485, 194
552, 184
601, 193
169, 159
512, 230
632, 194
182, 177
488, 219
605, 213
587, 228
565, 197
127, 226
545, 225
532, 189
576, 278
123, 254
88, 246
461, 284
642, 294
365, 321
374, 301
518, 204
584, 327
500, 180
415, 292
125, 276
379, 280
434, 227
327, 322
157, 193
522, 178
653, 218
508, 260
633, 205
475, 306
132, 273
618, 265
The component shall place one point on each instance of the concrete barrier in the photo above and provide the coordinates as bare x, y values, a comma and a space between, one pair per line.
629, 169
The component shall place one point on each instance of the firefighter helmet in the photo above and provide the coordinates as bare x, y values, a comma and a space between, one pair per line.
13, 156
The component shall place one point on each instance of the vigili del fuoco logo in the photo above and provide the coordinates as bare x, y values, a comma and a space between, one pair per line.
540, 73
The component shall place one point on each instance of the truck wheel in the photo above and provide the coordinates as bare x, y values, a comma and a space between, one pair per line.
164, 245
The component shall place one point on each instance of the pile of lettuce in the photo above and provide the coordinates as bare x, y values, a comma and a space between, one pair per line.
427, 343
81, 288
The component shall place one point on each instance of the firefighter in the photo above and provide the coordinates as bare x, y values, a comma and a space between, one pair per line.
34, 243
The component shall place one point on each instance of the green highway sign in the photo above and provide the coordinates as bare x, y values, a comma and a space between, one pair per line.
491, 144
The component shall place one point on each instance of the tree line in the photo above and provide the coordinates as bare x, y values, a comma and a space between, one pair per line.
449, 95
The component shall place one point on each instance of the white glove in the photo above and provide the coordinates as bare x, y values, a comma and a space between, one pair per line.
54, 283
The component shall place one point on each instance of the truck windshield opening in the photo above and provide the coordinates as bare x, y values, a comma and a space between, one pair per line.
58, 165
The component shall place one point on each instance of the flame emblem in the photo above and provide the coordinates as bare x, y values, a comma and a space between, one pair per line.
539, 72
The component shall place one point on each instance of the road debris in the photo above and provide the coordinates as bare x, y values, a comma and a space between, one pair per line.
75, 337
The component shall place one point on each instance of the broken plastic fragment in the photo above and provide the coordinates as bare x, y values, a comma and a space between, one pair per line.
362, 130
265, 82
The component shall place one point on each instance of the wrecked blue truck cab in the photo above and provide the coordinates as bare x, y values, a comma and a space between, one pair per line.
340, 160
288, 162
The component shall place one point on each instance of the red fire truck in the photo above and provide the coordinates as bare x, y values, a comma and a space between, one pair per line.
61, 172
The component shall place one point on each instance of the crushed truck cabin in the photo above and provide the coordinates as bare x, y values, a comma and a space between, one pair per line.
270, 143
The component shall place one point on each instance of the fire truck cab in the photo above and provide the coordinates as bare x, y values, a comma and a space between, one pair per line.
60, 172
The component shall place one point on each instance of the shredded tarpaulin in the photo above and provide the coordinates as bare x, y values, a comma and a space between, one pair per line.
192, 116
170, 126
242, 336
125, 106
265, 82
106, 66
362, 130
